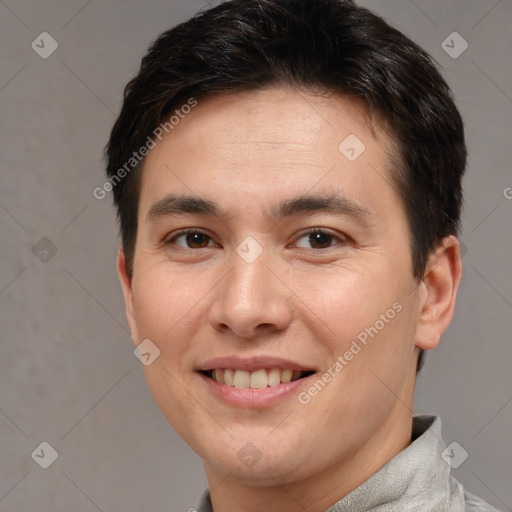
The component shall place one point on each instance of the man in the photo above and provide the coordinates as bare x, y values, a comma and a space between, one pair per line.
287, 175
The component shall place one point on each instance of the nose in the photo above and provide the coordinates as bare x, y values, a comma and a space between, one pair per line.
252, 300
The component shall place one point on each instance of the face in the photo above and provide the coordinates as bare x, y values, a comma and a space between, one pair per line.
269, 249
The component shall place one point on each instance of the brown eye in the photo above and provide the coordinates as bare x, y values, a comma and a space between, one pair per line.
317, 239
195, 240
320, 240
191, 240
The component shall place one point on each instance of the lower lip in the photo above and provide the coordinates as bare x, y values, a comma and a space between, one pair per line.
253, 398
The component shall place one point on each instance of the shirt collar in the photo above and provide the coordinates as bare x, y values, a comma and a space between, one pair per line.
415, 479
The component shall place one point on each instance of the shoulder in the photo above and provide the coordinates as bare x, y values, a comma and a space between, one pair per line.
475, 504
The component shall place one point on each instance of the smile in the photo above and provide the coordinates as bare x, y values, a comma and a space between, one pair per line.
258, 379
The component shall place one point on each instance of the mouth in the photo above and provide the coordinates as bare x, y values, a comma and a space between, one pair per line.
257, 379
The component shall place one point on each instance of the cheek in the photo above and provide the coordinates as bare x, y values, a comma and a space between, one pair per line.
364, 316
344, 300
165, 309
164, 304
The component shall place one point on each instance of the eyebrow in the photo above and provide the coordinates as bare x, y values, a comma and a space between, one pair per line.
332, 203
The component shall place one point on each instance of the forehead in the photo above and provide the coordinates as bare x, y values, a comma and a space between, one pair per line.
269, 143
276, 116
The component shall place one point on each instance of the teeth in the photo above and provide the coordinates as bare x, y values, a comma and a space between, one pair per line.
273, 377
258, 379
218, 376
241, 379
228, 377
286, 375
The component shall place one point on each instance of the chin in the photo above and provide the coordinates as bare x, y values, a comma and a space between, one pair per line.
249, 465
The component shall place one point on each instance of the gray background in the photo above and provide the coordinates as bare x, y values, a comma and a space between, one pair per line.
67, 372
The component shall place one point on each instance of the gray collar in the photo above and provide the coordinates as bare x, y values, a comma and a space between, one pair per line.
415, 479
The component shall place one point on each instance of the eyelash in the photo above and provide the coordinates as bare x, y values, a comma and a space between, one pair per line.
310, 231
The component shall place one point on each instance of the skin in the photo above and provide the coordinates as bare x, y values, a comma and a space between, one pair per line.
298, 300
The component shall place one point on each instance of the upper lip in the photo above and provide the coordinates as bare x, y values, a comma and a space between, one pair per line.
251, 364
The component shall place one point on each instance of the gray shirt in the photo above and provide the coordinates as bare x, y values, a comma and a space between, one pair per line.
417, 479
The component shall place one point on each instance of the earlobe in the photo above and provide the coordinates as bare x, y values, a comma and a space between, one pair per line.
126, 284
438, 293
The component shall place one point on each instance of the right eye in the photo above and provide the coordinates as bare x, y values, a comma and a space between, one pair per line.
191, 239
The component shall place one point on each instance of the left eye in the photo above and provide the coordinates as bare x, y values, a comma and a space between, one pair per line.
317, 240
192, 240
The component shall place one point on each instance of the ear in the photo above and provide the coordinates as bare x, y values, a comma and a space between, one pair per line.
438, 293
126, 284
